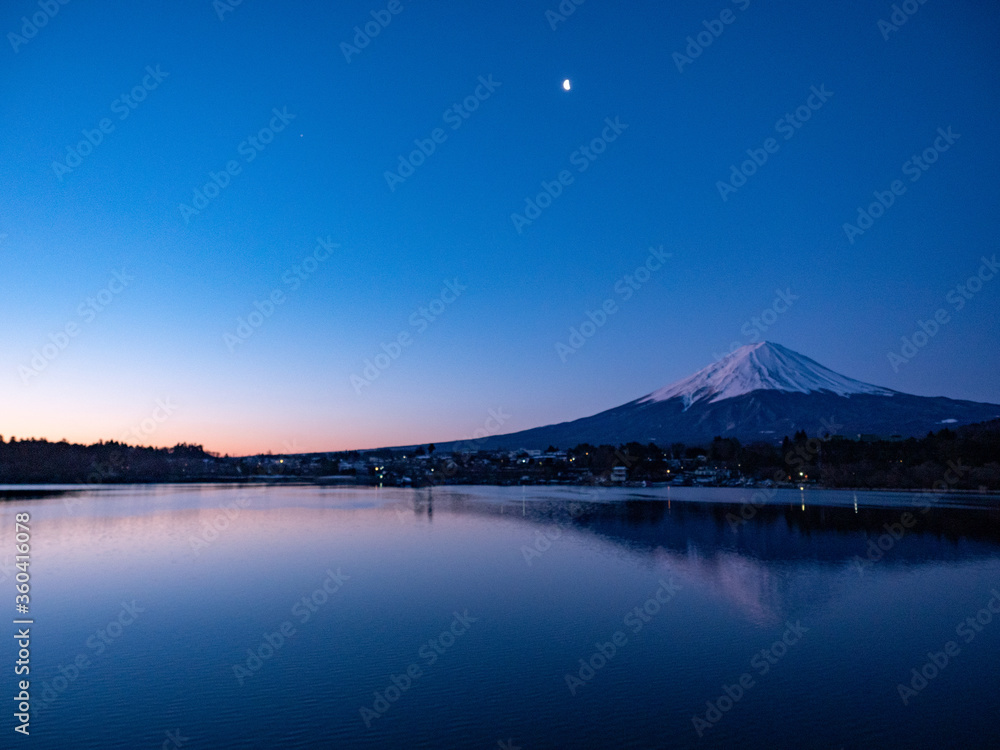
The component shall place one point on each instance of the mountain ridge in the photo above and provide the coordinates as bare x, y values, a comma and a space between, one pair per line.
758, 393
762, 366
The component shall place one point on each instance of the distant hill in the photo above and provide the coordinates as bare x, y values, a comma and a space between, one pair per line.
760, 392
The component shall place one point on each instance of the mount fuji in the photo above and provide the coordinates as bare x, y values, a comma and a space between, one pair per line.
758, 393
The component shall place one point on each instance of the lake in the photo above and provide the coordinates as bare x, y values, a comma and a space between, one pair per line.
206, 616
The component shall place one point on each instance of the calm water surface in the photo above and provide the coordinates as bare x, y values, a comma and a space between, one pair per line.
301, 617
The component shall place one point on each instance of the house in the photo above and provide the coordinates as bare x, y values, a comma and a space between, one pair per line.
706, 475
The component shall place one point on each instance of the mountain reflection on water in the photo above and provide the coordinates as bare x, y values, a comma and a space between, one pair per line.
761, 564
549, 574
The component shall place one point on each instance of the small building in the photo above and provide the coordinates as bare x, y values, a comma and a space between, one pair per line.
706, 475
619, 474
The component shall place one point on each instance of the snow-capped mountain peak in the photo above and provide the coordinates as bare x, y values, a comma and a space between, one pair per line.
762, 366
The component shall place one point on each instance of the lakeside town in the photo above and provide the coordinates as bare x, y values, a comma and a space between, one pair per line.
962, 459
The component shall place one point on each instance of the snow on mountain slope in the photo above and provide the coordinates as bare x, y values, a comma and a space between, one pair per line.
763, 366
762, 392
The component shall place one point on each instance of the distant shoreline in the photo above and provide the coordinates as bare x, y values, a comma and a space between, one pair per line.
14, 488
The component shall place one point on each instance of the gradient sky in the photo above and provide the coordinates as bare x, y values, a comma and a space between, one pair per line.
288, 388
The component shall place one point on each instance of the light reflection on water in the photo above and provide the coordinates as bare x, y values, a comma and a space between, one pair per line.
548, 574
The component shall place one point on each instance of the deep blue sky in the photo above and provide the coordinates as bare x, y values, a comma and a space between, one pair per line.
288, 386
